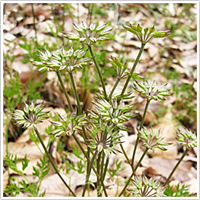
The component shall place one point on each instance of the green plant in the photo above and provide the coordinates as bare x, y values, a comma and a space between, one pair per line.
25, 185
180, 191
145, 187
100, 128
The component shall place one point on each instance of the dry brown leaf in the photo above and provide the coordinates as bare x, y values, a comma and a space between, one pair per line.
55, 188
152, 49
189, 61
7, 25
46, 26
187, 46
39, 9
5, 179
20, 30
18, 66
21, 149
30, 20
193, 186
164, 167
9, 37
150, 118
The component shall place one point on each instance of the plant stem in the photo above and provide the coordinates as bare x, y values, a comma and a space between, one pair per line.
114, 87
88, 162
51, 161
98, 171
144, 114
88, 174
65, 93
132, 70
174, 169
75, 93
134, 151
141, 125
124, 152
99, 72
34, 26
105, 168
134, 171
80, 146
63, 22
102, 165
90, 12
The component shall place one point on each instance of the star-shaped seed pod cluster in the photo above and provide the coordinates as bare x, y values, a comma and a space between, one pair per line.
62, 59
89, 34
144, 35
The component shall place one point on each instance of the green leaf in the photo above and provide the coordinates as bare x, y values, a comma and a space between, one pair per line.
72, 36
24, 163
160, 34
77, 152
36, 172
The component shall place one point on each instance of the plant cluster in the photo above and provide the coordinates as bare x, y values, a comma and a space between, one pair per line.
100, 128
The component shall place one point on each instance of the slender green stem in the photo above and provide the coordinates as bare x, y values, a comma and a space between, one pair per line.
102, 164
99, 72
51, 161
88, 162
101, 171
65, 93
91, 12
80, 146
105, 168
177, 164
75, 93
89, 170
141, 125
63, 22
134, 151
124, 152
98, 171
144, 114
127, 183
132, 70
114, 87
34, 26
84, 134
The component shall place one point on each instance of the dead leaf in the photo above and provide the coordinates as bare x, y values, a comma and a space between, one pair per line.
18, 66
9, 37
47, 26
55, 187
150, 118
152, 49
189, 61
21, 149
5, 179
164, 167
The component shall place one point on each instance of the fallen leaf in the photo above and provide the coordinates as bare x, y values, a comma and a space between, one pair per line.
9, 37
5, 179
165, 166
47, 26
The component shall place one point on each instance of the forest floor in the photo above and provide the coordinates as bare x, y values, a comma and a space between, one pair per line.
172, 60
